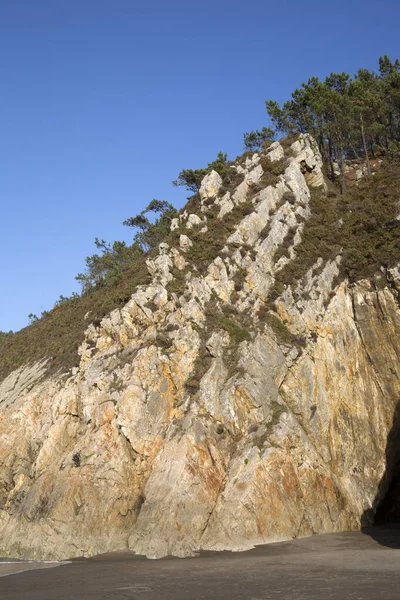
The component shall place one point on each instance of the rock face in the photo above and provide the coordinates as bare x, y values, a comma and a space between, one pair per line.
192, 422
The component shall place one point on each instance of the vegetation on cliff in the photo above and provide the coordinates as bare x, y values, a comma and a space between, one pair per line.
361, 226
107, 268
191, 178
349, 117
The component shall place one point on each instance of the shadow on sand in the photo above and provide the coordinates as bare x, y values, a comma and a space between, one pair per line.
385, 513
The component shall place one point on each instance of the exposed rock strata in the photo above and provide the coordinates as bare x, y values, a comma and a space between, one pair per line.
277, 440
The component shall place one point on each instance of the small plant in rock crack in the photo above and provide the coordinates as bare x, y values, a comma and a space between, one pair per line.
239, 279
289, 197
163, 341
200, 368
281, 331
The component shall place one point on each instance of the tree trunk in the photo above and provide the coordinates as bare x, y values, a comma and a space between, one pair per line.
365, 145
342, 165
322, 147
331, 159
371, 147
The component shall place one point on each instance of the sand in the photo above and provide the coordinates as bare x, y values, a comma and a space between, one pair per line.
12, 567
341, 566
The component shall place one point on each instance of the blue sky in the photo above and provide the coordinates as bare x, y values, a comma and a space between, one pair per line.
103, 102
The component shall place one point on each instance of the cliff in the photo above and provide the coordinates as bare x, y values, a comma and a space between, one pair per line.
247, 394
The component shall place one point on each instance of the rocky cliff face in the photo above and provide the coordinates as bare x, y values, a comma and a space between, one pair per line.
200, 418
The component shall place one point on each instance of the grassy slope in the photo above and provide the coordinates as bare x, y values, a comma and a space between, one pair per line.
361, 225
58, 335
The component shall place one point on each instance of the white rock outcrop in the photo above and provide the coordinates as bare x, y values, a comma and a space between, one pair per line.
210, 185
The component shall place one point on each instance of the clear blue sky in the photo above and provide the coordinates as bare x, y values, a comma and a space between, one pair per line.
103, 102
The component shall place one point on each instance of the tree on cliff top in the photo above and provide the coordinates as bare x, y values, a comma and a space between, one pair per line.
348, 116
191, 178
255, 140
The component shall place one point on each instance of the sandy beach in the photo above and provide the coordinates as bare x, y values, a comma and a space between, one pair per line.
12, 567
343, 566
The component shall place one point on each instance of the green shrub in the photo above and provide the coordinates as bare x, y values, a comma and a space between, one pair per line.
237, 334
287, 243
4, 335
208, 245
283, 334
289, 197
163, 341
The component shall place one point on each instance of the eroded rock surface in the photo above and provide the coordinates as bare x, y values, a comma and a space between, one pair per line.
191, 423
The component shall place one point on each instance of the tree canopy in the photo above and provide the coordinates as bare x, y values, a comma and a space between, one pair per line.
107, 266
255, 140
348, 116
191, 178
148, 235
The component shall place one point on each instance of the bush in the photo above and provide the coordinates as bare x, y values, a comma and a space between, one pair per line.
208, 245
283, 334
4, 335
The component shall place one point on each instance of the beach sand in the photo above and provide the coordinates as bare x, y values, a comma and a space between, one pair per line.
340, 566
12, 567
